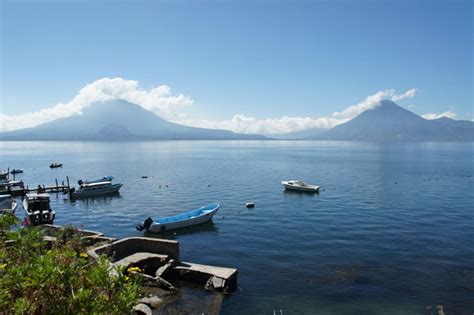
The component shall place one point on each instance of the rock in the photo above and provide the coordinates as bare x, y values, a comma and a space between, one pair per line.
152, 301
215, 283
142, 309
158, 282
163, 270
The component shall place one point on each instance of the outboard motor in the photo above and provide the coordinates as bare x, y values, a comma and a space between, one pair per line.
146, 224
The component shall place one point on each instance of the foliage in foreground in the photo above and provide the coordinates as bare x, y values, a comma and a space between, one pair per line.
60, 279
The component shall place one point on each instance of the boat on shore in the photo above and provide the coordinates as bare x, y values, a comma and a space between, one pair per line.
190, 218
95, 189
7, 204
299, 185
38, 210
16, 171
55, 165
103, 179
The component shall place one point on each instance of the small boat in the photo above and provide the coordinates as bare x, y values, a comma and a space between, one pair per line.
7, 204
38, 210
103, 179
250, 205
16, 171
55, 165
3, 174
299, 185
95, 189
193, 217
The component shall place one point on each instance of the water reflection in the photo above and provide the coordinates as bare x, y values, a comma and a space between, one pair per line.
93, 200
208, 227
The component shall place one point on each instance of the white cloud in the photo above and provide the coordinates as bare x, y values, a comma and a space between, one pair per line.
431, 116
158, 100
408, 94
244, 124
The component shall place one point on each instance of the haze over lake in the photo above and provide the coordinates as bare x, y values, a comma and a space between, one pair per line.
389, 233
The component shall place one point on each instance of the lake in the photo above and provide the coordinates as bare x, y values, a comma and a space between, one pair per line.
391, 231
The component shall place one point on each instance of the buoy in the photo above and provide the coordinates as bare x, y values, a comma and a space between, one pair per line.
250, 205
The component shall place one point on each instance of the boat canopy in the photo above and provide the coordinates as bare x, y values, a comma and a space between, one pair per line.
96, 184
37, 196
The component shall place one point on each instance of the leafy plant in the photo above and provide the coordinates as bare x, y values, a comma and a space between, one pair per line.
39, 277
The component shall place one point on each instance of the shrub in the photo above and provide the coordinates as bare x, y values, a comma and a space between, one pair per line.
37, 277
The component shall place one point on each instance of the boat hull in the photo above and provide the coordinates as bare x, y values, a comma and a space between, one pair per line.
162, 227
99, 192
301, 188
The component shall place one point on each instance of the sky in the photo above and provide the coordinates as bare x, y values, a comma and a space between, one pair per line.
247, 66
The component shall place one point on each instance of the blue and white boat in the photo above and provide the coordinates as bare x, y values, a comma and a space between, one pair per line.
103, 179
193, 217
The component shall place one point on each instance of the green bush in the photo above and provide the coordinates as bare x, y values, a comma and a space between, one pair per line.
37, 277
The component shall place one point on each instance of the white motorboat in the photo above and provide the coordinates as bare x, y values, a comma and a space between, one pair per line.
299, 185
193, 217
7, 204
38, 210
95, 189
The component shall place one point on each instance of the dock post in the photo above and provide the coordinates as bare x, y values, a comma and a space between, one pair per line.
57, 188
67, 178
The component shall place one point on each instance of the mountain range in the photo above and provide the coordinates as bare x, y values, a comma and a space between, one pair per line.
390, 122
121, 120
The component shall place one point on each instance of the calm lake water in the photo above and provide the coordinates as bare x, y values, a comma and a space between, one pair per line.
391, 232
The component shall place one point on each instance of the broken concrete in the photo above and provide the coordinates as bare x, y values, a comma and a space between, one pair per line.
131, 245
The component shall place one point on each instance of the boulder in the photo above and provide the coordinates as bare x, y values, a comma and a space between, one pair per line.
142, 309
152, 301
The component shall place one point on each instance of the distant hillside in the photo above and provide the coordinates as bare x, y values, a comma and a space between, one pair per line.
119, 120
390, 122
300, 135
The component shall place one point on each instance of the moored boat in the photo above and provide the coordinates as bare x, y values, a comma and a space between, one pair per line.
7, 204
37, 208
193, 217
299, 185
55, 165
3, 175
16, 171
95, 189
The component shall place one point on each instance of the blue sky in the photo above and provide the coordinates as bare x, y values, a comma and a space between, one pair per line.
264, 59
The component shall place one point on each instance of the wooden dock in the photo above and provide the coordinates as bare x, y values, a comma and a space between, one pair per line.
51, 189
21, 189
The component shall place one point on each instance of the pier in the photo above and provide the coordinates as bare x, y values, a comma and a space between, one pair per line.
18, 188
